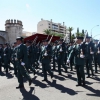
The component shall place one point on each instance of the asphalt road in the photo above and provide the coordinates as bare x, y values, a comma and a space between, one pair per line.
59, 88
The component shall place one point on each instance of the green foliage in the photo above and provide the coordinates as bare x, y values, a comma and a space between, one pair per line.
57, 34
72, 37
47, 31
79, 34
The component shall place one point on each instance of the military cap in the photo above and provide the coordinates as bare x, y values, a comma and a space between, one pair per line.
28, 41
71, 42
45, 40
19, 38
96, 40
79, 37
61, 40
88, 37
14, 42
56, 42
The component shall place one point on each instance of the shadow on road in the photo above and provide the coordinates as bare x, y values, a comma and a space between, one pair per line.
2, 74
9, 76
96, 92
62, 88
27, 95
38, 83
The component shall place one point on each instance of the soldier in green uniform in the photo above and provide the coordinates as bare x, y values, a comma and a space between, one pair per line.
72, 57
96, 51
22, 62
29, 60
6, 57
79, 60
89, 51
61, 50
54, 49
14, 57
46, 59
98, 55
1, 57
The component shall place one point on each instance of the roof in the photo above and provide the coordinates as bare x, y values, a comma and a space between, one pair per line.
41, 37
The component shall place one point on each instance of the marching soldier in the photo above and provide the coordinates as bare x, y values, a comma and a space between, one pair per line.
13, 57
6, 57
61, 50
22, 62
54, 49
72, 57
29, 60
89, 51
1, 57
78, 53
46, 59
96, 51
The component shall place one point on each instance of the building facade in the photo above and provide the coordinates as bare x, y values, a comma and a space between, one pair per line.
54, 27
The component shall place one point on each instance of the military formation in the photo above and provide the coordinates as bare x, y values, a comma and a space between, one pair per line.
28, 57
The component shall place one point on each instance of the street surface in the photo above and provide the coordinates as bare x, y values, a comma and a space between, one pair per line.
59, 88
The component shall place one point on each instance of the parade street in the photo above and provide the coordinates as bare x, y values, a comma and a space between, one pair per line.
59, 88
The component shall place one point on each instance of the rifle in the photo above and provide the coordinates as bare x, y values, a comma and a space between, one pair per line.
38, 43
50, 39
47, 37
85, 36
35, 40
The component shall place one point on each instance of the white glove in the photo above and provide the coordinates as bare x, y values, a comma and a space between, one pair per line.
91, 52
68, 61
4, 54
22, 63
45, 54
55, 58
16, 59
98, 51
60, 50
81, 56
38, 61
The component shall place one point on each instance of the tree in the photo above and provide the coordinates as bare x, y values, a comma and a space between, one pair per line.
57, 34
47, 31
72, 37
70, 29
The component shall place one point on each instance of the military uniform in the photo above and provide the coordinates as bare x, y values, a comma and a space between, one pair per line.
61, 50
22, 62
72, 57
46, 59
6, 57
14, 59
89, 50
54, 49
1, 58
79, 61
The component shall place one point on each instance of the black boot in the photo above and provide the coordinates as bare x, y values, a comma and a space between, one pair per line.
20, 86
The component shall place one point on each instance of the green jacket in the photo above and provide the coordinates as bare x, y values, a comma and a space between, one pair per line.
76, 51
22, 54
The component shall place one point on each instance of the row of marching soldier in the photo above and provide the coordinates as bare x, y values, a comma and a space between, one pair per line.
29, 57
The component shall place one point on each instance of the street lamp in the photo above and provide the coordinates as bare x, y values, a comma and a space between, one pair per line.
93, 28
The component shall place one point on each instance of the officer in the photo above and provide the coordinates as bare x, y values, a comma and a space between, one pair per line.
72, 57
13, 57
46, 59
6, 57
61, 50
22, 62
1, 57
89, 51
96, 53
54, 49
29, 60
79, 60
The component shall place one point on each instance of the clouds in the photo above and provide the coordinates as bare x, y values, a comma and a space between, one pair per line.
28, 7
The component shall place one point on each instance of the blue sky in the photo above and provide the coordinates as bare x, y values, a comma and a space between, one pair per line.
84, 14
